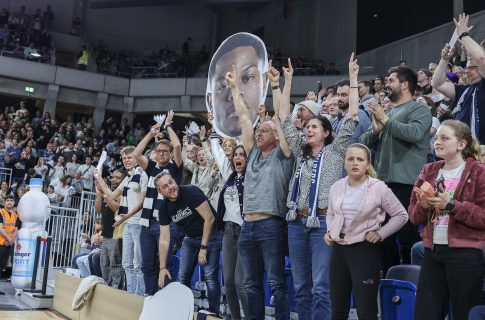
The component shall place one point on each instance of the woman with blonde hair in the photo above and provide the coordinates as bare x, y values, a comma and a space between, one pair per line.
357, 207
449, 201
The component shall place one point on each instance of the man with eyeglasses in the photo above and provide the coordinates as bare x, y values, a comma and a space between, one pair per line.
469, 100
168, 158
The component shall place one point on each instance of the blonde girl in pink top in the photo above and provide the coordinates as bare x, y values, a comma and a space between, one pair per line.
357, 207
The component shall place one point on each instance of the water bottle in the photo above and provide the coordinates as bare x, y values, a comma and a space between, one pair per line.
32, 211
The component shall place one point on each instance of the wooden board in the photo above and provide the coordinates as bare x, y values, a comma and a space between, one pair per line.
30, 315
106, 303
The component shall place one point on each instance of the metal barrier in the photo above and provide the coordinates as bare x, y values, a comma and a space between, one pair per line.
87, 209
66, 224
63, 226
6, 175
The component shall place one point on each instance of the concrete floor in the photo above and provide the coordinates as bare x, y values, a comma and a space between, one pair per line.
10, 301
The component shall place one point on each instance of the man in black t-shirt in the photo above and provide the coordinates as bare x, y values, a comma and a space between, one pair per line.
188, 207
169, 158
111, 267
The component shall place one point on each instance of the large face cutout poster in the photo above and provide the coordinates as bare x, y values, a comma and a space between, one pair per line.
248, 53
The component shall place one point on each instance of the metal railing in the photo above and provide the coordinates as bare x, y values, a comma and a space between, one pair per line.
63, 226
66, 225
6, 175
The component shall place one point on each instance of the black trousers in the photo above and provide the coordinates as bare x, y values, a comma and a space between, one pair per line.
5, 252
354, 266
398, 246
449, 275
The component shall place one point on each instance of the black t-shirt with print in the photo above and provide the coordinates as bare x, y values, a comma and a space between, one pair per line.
183, 212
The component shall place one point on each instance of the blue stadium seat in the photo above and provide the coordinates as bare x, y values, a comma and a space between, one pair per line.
397, 299
397, 293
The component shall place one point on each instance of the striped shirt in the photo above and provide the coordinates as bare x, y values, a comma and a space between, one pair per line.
132, 187
152, 198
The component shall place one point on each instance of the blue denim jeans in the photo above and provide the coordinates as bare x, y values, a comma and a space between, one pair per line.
261, 246
131, 259
310, 260
149, 237
189, 254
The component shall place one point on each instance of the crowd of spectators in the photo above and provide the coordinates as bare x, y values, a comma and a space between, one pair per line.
25, 35
398, 119
167, 63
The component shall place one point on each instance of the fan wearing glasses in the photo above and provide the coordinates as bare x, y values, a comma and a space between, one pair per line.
469, 100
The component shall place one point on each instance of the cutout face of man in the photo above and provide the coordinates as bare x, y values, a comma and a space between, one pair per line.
252, 83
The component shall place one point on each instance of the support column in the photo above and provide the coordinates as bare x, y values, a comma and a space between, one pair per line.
100, 110
51, 100
457, 8
128, 110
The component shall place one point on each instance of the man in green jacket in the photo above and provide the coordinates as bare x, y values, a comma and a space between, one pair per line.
400, 138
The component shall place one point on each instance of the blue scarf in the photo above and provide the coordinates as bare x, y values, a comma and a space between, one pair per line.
312, 221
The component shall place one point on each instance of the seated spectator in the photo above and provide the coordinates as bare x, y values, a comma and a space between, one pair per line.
53, 196
3, 192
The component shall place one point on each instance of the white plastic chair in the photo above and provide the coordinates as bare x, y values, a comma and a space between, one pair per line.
174, 302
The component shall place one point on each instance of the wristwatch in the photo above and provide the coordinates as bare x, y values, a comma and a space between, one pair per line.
450, 206
202, 247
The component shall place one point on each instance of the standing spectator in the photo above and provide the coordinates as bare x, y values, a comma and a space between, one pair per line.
72, 166
49, 17
57, 173
41, 168
3, 150
111, 267
168, 158
454, 225
401, 140
230, 208
3, 192
262, 239
9, 225
320, 160
132, 191
357, 205
188, 207
83, 57
343, 89
87, 172
469, 100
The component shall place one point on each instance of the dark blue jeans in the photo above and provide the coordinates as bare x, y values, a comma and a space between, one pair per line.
149, 237
189, 254
261, 246
310, 261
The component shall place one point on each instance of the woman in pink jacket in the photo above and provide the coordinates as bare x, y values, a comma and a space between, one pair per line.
357, 206
454, 225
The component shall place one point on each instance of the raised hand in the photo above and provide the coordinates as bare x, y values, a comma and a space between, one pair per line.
462, 24
288, 72
202, 132
155, 130
447, 53
210, 117
273, 75
353, 66
169, 119
311, 96
231, 77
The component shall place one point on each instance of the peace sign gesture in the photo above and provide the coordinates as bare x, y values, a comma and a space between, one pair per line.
231, 77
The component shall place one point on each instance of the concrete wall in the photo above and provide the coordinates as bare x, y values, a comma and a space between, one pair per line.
421, 49
150, 95
149, 28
